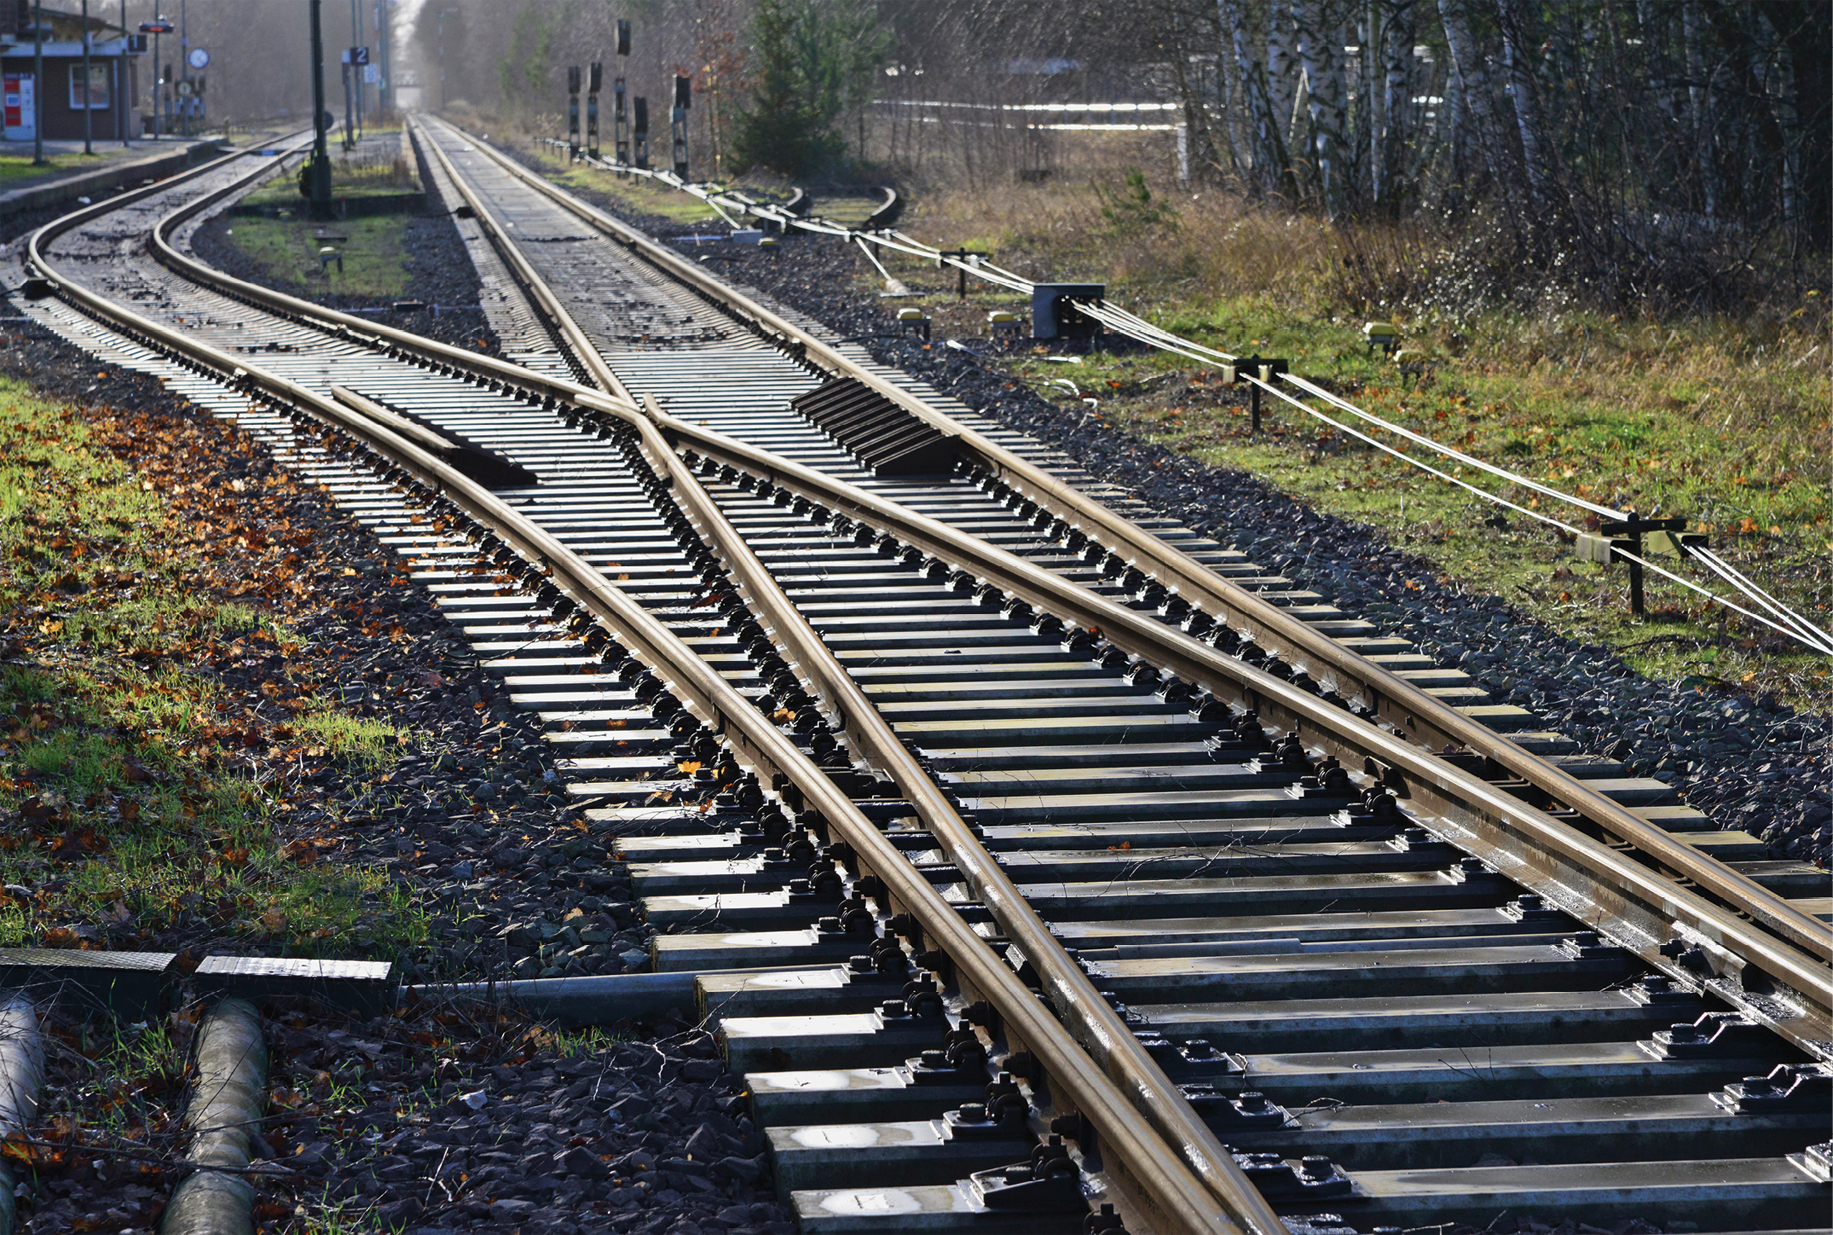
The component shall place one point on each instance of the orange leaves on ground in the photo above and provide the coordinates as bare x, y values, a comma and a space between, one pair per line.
307, 850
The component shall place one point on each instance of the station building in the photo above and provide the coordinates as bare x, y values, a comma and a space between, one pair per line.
111, 88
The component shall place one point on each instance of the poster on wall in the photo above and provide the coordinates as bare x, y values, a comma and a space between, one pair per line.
21, 112
96, 97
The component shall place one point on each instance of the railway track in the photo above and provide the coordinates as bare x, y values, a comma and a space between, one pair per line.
1033, 829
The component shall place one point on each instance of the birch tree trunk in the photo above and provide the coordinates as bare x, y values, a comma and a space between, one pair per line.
1397, 34
1476, 95
1699, 109
1269, 156
1320, 49
1536, 152
1282, 72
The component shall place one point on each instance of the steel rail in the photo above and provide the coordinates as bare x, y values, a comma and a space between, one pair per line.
1178, 1198
1731, 943
1594, 882
1413, 713
1092, 1021
559, 320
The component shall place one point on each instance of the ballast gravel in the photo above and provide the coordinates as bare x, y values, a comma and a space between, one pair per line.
1751, 762
445, 1115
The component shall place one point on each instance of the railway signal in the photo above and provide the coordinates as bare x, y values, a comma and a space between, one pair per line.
683, 99
157, 27
639, 133
595, 80
572, 113
620, 119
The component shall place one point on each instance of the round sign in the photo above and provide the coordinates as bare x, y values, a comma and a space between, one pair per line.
199, 58
184, 89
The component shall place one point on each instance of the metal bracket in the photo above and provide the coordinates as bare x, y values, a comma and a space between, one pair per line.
1619, 536
1250, 369
966, 258
1787, 1088
1283, 1180
1712, 1035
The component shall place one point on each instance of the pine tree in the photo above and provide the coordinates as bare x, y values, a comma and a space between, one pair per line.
812, 62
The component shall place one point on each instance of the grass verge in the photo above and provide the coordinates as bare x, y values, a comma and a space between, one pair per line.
1723, 421
634, 193
287, 252
142, 787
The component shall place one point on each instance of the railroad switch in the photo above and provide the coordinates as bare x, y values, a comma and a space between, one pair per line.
1252, 369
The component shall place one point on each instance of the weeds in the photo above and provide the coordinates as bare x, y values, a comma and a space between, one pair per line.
1132, 210
135, 781
1722, 419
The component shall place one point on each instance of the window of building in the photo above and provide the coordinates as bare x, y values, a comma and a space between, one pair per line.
96, 97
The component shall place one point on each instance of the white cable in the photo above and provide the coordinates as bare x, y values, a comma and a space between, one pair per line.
1534, 514
1714, 596
1803, 629
1125, 322
1603, 512
1750, 586
873, 259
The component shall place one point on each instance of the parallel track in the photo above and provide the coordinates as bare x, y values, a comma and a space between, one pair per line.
1227, 880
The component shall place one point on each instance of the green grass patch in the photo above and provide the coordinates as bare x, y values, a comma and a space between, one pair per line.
132, 784
1723, 421
17, 168
287, 250
369, 743
635, 193
370, 171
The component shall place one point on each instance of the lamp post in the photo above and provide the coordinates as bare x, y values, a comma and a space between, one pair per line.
320, 178
356, 75
88, 81
38, 83
385, 91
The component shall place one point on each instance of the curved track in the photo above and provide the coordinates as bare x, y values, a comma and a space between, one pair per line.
1040, 740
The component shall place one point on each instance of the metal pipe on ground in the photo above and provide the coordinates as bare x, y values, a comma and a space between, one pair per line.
227, 1097
22, 1075
597, 999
